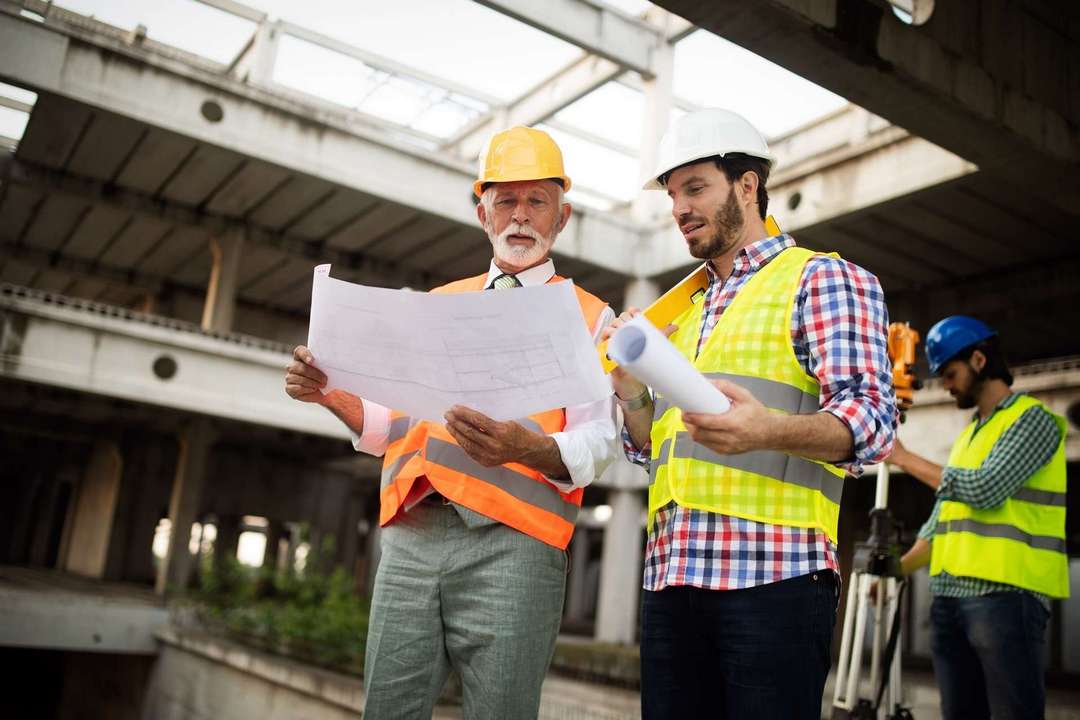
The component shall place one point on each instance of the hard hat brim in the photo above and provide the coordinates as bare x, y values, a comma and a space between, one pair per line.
652, 182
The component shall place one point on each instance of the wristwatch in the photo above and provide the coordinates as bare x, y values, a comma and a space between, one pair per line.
635, 403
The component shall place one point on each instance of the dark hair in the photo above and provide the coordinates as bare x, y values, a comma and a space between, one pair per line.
734, 166
996, 368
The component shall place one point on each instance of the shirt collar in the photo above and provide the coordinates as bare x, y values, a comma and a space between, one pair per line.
1005, 402
755, 255
536, 275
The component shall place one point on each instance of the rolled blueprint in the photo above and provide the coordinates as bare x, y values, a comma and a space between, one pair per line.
645, 353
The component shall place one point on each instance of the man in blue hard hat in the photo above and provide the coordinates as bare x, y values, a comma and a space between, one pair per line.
995, 540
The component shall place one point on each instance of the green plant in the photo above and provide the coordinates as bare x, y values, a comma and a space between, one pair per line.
314, 616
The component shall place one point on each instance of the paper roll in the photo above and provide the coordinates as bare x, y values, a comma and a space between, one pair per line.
645, 353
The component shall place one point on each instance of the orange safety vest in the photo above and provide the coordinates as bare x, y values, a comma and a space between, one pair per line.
512, 494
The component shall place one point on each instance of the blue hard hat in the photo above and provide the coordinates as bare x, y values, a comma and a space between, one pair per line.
951, 336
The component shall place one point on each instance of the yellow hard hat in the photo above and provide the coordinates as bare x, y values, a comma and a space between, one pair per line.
520, 153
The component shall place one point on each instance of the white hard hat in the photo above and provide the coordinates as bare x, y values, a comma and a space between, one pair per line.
702, 134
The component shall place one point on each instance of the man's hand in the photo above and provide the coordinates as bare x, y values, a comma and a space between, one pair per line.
626, 385
747, 426
490, 442
304, 381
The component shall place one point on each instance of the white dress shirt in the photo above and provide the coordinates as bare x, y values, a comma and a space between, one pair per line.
587, 444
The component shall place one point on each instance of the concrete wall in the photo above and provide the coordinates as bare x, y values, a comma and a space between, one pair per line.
197, 677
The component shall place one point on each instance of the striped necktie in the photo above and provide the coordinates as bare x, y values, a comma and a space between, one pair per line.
504, 281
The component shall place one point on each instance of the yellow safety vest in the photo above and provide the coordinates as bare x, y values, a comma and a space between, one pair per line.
1022, 541
751, 346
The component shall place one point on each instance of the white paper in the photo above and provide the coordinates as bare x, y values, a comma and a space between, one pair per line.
646, 354
506, 353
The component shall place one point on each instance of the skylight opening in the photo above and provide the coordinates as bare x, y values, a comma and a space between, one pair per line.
714, 72
184, 24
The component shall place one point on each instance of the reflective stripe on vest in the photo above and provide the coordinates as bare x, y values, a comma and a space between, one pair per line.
787, 468
751, 346
1021, 542
512, 494
1037, 542
541, 494
771, 394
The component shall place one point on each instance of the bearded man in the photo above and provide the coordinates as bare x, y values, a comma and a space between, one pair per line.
995, 540
741, 567
477, 514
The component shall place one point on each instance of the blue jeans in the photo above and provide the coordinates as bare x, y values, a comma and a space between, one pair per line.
989, 656
758, 653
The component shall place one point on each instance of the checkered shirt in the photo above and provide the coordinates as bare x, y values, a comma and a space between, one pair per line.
838, 331
1024, 447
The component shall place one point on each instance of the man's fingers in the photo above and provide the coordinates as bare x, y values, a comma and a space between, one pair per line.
303, 380
473, 417
309, 371
734, 391
669, 329
708, 421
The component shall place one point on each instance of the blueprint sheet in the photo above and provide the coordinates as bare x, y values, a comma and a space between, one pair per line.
505, 353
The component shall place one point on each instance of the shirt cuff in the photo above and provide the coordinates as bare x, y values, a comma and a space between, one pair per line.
583, 463
376, 435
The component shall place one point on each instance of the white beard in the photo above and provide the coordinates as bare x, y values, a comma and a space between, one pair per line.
520, 255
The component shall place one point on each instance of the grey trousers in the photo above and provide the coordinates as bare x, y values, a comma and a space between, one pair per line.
455, 589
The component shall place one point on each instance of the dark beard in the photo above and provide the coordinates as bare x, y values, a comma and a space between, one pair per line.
728, 221
969, 398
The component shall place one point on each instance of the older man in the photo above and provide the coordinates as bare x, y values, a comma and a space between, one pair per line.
741, 560
477, 514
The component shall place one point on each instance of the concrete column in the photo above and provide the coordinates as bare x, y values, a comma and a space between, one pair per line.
267, 40
275, 533
95, 508
650, 205
195, 441
577, 591
227, 539
620, 572
224, 275
640, 293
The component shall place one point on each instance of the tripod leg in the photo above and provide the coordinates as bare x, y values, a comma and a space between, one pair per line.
840, 698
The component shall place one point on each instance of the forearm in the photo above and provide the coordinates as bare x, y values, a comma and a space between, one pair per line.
639, 423
347, 408
820, 436
543, 456
923, 470
916, 557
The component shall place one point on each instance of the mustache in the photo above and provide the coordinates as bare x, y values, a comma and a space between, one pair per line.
519, 229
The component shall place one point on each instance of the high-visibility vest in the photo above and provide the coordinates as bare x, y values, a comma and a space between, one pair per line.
751, 346
1022, 541
512, 494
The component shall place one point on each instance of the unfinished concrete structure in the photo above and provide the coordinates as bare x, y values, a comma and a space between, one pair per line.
161, 214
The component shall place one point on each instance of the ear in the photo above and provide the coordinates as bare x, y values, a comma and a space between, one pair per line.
481, 214
748, 185
977, 361
564, 215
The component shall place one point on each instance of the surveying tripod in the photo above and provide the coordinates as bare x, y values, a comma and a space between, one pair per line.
877, 563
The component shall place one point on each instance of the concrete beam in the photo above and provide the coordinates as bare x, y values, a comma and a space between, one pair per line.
19, 172
95, 508
567, 86
602, 31
56, 619
993, 81
100, 70
95, 349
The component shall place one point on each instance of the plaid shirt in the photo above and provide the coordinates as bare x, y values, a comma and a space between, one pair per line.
838, 331
1023, 448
